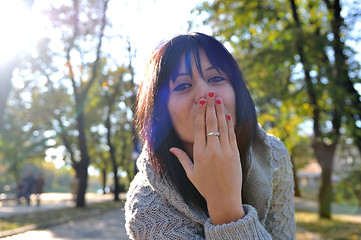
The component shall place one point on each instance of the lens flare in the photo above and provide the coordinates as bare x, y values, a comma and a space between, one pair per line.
105, 86
345, 201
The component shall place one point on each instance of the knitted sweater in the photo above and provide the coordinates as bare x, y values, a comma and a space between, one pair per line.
155, 210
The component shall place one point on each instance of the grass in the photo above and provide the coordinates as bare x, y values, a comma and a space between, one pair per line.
328, 229
47, 218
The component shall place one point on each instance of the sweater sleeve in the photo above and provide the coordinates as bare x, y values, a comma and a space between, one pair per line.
280, 221
248, 227
149, 216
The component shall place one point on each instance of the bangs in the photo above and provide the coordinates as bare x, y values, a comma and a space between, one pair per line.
198, 64
191, 49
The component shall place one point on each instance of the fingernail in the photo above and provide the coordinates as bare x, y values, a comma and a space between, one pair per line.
171, 151
228, 117
218, 101
211, 94
202, 102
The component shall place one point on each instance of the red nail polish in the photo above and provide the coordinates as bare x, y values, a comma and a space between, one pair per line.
211, 94
228, 117
202, 102
219, 101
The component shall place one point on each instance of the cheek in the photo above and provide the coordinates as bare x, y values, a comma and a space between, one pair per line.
182, 118
177, 112
172, 109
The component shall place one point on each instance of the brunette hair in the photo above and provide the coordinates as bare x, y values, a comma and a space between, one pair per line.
154, 122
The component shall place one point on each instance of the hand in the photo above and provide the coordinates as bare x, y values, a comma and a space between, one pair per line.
216, 171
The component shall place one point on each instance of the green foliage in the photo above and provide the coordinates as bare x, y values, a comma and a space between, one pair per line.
265, 38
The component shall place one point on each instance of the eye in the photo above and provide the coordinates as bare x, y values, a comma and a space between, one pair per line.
182, 87
216, 79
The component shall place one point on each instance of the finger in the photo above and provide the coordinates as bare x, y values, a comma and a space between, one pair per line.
211, 119
184, 160
222, 124
231, 134
199, 125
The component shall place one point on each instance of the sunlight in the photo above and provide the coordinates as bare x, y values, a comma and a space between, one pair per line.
40, 234
19, 27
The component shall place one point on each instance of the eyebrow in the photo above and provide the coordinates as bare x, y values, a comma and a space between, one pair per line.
211, 68
182, 74
188, 74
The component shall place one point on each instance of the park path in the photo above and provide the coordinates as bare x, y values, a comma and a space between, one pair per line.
110, 225
51, 201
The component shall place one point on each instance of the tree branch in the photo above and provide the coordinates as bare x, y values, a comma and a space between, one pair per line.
97, 60
309, 86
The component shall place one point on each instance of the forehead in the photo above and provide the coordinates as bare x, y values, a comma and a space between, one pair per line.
195, 60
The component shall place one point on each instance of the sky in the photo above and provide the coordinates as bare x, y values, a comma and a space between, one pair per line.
150, 22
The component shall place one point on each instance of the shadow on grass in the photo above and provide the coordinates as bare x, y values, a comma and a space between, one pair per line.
328, 229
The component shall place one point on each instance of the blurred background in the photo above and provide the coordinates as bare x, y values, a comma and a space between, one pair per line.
70, 69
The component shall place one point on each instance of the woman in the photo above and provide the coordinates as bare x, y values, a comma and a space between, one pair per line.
207, 170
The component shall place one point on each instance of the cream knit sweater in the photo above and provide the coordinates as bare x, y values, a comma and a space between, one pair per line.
155, 210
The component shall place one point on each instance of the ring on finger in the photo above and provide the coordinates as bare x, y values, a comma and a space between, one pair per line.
213, 134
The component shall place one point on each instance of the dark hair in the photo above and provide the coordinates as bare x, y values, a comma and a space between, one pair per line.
154, 122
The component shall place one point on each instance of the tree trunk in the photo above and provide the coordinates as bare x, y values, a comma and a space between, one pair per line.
359, 192
116, 177
104, 179
324, 154
115, 169
84, 163
297, 189
111, 147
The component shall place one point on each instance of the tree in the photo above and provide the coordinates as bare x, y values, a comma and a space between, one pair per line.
106, 109
81, 26
295, 50
78, 32
116, 93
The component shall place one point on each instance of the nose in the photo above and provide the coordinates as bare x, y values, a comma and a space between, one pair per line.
201, 89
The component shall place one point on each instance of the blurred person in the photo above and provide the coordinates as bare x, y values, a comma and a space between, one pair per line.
207, 170
19, 190
39, 185
28, 187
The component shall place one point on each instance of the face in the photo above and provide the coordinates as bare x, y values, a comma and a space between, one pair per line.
186, 90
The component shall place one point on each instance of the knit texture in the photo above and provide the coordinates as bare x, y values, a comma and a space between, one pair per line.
155, 210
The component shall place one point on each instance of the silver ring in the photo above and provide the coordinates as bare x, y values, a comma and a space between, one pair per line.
213, 134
